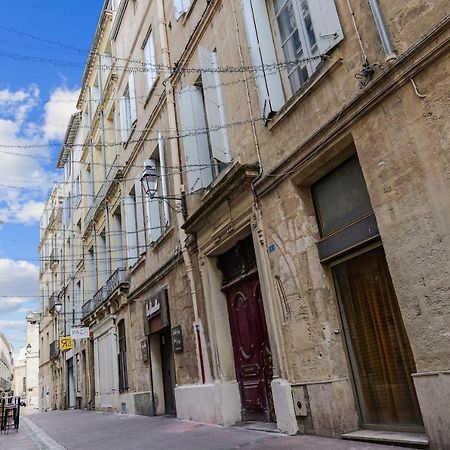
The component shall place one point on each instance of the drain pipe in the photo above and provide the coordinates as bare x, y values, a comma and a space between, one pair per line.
390, 55
202, 357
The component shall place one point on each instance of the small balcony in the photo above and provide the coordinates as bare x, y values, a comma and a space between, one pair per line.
115, 281
54, 349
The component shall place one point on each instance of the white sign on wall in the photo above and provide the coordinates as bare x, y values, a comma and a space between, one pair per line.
80, 333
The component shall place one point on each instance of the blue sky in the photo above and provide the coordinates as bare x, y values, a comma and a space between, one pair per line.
36, 100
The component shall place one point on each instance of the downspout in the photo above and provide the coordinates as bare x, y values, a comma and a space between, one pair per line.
386, 42
203, 366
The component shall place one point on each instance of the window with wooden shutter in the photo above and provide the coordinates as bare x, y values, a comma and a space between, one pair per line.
150, 62
158, 208
307, 30
195, 142
215, 109
263, 56
130, 229
140, 224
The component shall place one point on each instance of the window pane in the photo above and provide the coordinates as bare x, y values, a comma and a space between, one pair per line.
341, 197
308, 24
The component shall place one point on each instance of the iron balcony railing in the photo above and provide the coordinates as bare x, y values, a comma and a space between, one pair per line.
116, 280
54, 349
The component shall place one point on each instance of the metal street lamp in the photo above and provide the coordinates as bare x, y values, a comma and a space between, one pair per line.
149, 180
29, 348
58, 305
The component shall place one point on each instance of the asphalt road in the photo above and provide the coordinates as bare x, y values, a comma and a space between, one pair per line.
83, 430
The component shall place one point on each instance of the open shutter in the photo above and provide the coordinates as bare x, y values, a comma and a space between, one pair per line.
214, 105
123, 119
130, 228
140, 224
153, 215
180, 7
326, 24
262, 52
195, 145
149, 55
163, 173
132, 94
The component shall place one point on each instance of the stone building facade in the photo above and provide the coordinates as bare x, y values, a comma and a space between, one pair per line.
291, 264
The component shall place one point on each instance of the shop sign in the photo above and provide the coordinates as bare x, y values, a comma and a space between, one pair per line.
80, 333
177, 339
65, 343
153, 307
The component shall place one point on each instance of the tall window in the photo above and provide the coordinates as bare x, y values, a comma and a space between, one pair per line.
202, 108
298, 32
150, 61
123, 370
128, 108
156, 208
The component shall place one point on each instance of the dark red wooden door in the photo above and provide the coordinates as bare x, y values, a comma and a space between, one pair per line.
253, 358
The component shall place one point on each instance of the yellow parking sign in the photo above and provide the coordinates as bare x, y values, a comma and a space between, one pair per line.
65, 343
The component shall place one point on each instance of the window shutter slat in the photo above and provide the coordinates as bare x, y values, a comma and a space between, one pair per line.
327, 27
196, 145
214, 105
130, 228
262, 52
140, 225
163, 173
132, 93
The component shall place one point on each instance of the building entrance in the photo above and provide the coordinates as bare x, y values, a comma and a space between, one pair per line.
380, 354
251, 347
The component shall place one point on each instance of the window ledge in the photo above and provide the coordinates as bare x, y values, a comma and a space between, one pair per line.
322, 70
156, 244
137, 264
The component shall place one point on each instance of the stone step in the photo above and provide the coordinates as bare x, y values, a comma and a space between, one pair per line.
415, 440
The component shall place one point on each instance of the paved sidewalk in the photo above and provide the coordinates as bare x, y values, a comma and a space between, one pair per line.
83, 430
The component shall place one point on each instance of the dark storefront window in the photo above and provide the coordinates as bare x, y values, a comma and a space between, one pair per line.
123, 371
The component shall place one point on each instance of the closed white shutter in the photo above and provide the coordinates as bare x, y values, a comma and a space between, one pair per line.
140, 225
326, 24
132, 94
149, 55
123, 119
153, 215
214, 105
130, 229
163, 174
195, 145
180, 7
262, 52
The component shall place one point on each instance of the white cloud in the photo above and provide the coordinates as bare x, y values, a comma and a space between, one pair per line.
61, 106
17, 279
16, 325
25, 181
